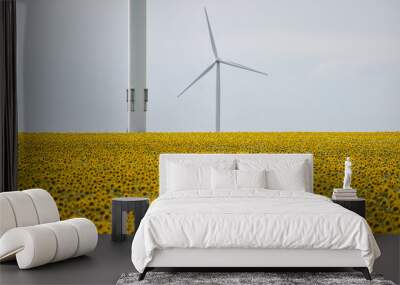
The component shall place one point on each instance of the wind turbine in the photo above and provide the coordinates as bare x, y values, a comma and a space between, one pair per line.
217, 62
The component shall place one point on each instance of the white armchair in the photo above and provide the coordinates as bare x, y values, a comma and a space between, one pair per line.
31, 230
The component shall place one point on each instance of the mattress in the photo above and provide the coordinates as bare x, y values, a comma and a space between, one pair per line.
250, 219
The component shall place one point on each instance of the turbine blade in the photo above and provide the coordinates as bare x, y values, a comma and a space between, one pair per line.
234, 64
197, 79
214, 48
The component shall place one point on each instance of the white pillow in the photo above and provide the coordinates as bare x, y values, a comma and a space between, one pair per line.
236, 179
281, 174
251, 178
223, 179
292, 178
187, 174
188, 177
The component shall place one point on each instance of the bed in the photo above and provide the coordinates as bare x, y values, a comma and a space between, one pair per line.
245, 211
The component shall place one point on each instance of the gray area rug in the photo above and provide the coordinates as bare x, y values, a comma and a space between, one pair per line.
269, 278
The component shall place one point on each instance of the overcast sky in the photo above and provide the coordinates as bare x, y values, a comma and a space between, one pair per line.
333, 65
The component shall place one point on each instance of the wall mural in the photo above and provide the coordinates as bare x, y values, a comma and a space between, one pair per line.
84, 172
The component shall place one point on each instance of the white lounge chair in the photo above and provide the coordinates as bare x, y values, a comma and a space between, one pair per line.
31, 230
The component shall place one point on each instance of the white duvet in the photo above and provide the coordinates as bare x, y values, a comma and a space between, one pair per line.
250, 218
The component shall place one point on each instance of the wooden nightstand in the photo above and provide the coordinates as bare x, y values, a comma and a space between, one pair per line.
355, 205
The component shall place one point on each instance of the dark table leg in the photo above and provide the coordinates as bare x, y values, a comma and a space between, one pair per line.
140, 211
117, 221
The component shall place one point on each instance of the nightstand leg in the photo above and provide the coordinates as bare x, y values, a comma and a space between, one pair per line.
116, 234
140, 211
124, 219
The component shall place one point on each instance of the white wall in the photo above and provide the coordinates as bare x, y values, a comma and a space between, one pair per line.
333, 65
73, 65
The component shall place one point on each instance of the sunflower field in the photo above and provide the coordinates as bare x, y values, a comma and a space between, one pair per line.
84, 171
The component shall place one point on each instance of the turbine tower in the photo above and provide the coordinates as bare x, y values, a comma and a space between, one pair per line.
217, 62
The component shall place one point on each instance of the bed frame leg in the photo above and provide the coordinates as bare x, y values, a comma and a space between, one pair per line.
143, 274
364, 271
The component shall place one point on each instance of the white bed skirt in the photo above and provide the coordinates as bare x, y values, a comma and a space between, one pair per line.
190, 257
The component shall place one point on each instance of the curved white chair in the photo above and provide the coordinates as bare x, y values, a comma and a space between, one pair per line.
31, 230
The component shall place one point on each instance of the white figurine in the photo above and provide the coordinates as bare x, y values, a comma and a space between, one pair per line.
347, 174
